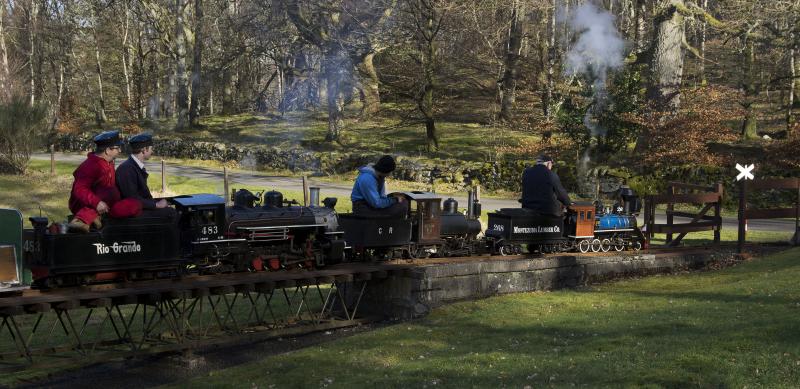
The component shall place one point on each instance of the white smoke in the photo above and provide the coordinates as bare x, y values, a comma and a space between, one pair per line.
598, 49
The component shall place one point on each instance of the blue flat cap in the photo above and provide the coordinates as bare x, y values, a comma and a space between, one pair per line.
140, 141
108, 139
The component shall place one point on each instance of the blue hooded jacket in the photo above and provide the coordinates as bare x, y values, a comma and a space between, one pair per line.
368, 187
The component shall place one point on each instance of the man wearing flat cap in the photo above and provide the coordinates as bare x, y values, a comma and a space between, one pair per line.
94, 192
132, 175
542, 190
369, 191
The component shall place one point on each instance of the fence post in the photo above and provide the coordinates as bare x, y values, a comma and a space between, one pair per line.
225, 194
305, 191
52, 160
742, 220
647, 204
796, 237
163, 176
718, 213
670, 217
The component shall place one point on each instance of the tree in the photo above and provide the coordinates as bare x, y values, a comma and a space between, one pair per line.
516, 34
21, 131
667, 62
428, 18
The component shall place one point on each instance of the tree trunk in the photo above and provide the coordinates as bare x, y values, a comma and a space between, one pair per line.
793, 83
211, 97
100, 113
154, 102
370, 92
640, 17
32, 14
511, 64
750, 124
194, 109
703, 80
227, 91
139, 76
336, 68
667, 66
426, 105
126, 57
5, 71
182, 97
547, 103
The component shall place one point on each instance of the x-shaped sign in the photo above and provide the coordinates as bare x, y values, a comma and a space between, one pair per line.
745, 172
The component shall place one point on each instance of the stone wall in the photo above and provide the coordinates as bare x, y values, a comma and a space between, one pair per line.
428, 286
491, 175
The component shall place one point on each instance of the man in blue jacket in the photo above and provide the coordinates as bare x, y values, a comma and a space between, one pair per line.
369, 191
542, 190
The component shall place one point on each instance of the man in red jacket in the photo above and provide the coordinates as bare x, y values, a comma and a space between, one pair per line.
94, 192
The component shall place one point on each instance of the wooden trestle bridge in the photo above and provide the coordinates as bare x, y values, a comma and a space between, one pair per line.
95, 322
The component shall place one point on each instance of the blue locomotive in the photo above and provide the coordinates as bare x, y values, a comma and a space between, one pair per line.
584, 227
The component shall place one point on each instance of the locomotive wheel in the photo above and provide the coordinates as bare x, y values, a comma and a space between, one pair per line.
584, 246
596, 245
619, 246
274, 264
605, 245
506, 250
637, 246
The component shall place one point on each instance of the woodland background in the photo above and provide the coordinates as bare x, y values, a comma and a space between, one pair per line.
630, 88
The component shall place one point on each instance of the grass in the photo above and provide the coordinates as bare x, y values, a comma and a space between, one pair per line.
462, 136
732, 328
730, 235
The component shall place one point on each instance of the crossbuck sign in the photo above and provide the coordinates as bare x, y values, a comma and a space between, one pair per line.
745, 172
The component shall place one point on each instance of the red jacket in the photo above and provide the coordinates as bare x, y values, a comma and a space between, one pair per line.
94, 181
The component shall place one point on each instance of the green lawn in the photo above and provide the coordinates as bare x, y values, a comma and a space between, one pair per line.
732, 328
467, 137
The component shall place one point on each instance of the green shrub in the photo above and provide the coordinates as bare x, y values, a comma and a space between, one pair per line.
21, 131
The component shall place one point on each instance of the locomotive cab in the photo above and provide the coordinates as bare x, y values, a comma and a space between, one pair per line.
202, 225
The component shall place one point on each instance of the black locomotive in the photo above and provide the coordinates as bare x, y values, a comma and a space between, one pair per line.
204, 236
427, 230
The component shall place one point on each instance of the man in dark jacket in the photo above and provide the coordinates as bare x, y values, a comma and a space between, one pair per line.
132, 175
369, 191
94, 192
542, 190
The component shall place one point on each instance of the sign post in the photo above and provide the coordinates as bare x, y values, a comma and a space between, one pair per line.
745, 173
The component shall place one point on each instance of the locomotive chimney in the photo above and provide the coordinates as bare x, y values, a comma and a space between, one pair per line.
470, 201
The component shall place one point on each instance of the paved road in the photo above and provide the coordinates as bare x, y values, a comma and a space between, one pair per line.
258, 179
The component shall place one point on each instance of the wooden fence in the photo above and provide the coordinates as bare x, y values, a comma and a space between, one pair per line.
767, 213
709, 197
